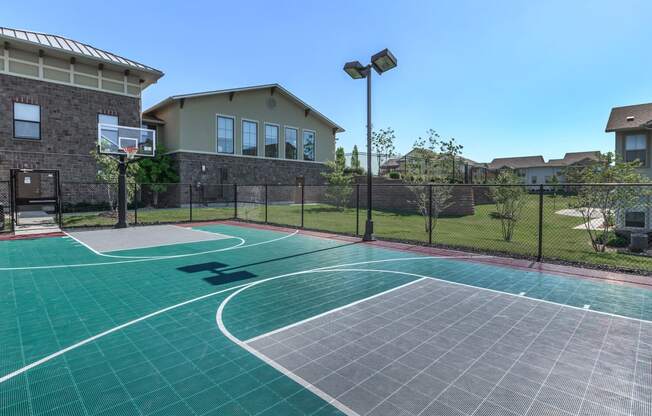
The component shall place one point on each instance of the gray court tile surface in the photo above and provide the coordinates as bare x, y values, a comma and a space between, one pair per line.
435, 348
142, 237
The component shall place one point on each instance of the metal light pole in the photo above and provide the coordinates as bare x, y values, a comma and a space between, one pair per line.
369, 224
381, 62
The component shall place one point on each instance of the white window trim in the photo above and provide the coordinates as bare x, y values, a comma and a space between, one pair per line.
250, 120
216, 133
278, 141
298, 130
302, 144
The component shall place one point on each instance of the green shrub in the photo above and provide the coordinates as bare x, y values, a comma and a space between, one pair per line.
394, 175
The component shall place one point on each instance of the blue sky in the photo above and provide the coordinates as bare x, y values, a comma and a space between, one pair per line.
505, 78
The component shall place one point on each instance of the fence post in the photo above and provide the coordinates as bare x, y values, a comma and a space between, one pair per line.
235, 201
430, 214
266, 202
190, 199
540, 244
303, 187
135, 204
357, 209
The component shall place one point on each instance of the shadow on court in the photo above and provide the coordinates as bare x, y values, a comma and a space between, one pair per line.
219, 277
292, 256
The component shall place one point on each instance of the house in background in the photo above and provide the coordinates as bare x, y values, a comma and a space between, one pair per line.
535, 171
252, 135
631, 126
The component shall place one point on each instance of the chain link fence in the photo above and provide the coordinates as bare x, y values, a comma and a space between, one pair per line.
6, 204
597, 225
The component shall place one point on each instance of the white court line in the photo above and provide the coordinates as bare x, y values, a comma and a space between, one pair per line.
324, 269
303, 321
104, 254
102, 334
240, 245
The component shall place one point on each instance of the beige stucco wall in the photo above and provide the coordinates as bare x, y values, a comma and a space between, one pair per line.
193, 127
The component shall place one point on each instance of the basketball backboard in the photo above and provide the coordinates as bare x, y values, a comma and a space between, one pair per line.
113, 139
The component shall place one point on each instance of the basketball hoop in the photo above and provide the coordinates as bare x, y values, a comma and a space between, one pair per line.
130, 152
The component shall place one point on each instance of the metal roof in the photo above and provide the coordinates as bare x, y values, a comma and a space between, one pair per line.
72, 47
241, 89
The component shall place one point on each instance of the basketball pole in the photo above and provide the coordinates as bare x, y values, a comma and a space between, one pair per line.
122, 193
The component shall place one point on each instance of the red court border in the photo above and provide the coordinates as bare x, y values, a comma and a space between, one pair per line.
617, 278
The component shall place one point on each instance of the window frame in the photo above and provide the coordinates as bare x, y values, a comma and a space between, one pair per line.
645, 149
14, 119
296, 144
314, 145
635, 212
217, 133
278, 140
242, 135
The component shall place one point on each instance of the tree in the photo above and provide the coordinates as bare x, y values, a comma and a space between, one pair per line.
157, 172
340, 158
450, 152
510, 198
382, 141
441, 194
108, 172
355, 158
604, 202
554, 181
339, 187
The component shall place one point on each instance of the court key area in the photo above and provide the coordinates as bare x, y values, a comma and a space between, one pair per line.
230, 319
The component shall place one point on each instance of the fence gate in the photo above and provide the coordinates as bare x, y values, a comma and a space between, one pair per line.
36, 197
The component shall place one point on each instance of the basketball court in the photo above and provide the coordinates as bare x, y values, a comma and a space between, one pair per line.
229, 319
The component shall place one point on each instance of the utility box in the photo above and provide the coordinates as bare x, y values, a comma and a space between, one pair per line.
638, 242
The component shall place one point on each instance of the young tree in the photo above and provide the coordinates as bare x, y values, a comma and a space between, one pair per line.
554, 182
422, 176
339, 183
604, 201
108, 172
510, 198
450, 152
355, 158
340, 158
157, 172
382, 141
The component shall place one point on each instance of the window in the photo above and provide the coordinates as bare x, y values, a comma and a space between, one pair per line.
107, 119
636, 148
291, 136
249, 138
635, 219
27, 121
534, 180
224, 134
271, 140
308, 145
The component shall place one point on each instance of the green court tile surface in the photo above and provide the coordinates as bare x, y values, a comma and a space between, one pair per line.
178, 362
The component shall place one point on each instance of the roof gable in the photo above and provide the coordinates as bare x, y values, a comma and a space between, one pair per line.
274, 87
629, 117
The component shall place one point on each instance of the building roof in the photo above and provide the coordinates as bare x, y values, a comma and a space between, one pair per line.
629, 117
516, 162
569, 159
71, 47
278, 87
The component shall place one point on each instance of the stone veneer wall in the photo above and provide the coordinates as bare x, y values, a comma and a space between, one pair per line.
68, 127
395, 195
223, 171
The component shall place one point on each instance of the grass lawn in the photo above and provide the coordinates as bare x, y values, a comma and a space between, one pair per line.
480, 231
